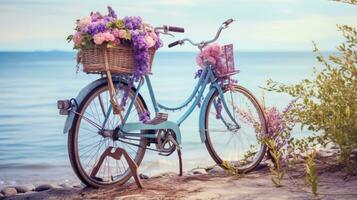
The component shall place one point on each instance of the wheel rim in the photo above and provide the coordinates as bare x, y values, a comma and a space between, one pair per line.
241, 147
89, 145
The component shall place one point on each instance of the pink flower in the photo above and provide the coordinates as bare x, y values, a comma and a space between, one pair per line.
199, 60
211, 60
77, 39
115, 32
206, 52
99, 38
84, 23
118, 33
215, 50
153, 35
122, 34
149, 41
211, 54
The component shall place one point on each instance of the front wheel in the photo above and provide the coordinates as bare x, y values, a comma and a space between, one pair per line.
236, 142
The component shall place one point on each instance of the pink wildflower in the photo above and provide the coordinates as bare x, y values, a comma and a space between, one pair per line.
77, 38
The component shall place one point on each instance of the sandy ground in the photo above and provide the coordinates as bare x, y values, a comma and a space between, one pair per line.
333, 184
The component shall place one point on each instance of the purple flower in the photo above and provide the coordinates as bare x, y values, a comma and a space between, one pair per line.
219, 108
158, 42
290, 105
141, 58
111, 13
144, 117
96, 16
97, 27
133, 22
198, 74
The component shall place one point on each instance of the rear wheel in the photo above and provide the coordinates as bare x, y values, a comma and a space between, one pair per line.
239, 146
87, 142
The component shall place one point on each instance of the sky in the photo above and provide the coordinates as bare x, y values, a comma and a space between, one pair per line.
262, 25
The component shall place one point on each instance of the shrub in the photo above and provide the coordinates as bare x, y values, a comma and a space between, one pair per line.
328, 102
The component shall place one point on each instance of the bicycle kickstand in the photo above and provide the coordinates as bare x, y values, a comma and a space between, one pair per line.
178, 148
180, 160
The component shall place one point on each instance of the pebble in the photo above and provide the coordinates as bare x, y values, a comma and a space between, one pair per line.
198, 171
217, 170
166, 174
66, 186
25, 188
326, 153
78, 186
143, 176
44, 187
9, 191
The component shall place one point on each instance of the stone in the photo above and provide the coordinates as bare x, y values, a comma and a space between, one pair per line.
44, 187
325, 153
167, 174
261, 166
65, 186
24, 188
217, 170
143, 176
198, 171
78, 186
9, 191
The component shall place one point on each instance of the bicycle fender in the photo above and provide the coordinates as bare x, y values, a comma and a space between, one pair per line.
79, 99
203, 112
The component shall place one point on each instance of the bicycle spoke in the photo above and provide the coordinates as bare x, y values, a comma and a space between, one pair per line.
229, 143
101, 105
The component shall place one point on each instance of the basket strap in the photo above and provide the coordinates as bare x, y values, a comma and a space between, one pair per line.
113, 100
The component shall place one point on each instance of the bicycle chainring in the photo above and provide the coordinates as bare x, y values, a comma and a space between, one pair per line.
165, 146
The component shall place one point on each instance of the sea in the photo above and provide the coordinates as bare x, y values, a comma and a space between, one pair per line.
33, 148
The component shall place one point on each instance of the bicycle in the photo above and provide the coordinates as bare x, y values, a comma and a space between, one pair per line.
94, 130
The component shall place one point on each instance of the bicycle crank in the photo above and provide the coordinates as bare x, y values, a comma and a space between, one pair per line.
166, 142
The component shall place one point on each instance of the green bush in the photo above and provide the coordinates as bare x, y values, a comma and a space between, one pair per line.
328, 102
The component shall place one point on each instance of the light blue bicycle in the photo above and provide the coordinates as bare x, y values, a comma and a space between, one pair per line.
228, 122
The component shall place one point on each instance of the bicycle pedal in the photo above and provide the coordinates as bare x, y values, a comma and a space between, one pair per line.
159, 118
174, 141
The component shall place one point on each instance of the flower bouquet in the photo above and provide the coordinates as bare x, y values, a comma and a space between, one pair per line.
106, 42
221, 57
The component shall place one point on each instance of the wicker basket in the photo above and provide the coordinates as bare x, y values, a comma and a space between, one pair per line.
120, 59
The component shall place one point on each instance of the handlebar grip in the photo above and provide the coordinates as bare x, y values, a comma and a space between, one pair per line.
175, 43
176, 29
229, 21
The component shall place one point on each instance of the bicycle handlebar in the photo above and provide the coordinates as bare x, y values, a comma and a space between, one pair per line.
202, 44
176, 29
166, 28
229, 21
174, 43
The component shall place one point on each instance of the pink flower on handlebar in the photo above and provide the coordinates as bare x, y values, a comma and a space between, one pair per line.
211, 54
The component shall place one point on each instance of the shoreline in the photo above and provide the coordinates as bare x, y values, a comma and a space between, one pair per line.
212, 183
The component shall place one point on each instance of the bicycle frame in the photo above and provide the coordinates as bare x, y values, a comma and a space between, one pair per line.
207, 78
